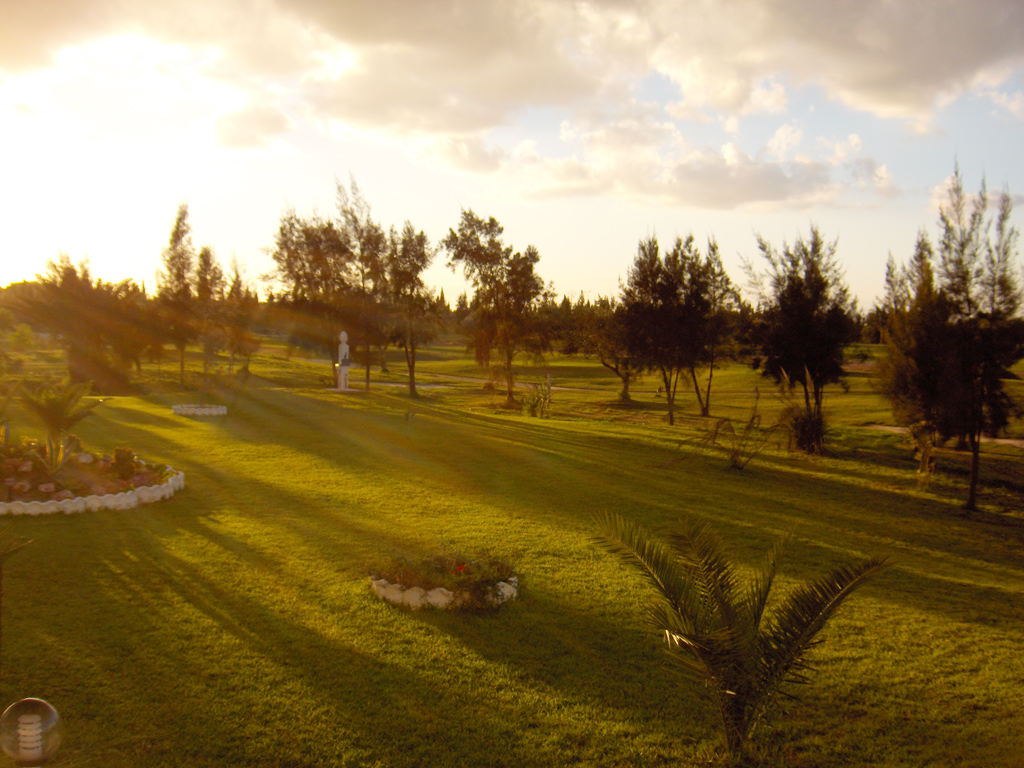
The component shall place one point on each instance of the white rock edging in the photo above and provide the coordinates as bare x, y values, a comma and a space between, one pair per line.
200, 410
126, 500
416, 597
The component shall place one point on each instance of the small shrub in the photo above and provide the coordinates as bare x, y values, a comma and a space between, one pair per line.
717, 628
124, 463
743, 445
538, 404
808, 428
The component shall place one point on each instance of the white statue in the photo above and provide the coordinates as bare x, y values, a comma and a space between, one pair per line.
343, 361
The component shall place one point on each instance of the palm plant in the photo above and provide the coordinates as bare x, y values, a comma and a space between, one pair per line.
58, 409
716, 628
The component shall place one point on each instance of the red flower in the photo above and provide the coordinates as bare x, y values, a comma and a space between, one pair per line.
459, 569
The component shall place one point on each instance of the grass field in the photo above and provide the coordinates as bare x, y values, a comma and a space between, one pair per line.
233, 625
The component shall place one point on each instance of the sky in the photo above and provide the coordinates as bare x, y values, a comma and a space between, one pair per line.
581, 126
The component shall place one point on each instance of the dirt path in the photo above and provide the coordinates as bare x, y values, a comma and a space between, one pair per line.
997, 440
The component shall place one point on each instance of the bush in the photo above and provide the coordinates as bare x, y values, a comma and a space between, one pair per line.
808, 428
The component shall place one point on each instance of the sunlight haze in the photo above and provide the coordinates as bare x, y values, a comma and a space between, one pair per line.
581, 127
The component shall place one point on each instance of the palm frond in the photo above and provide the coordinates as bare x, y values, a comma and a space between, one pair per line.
716, 632
707, 562
658, 563
761, 585
58, 409
802, 615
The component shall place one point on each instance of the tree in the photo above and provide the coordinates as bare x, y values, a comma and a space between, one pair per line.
368, 244
241, 305
103, 327
175, 287
717, 629
709, 299
656, 315
314, 263
950, 344
915, 331
209, 279
506, 292
416, 319
806, 320
600, 329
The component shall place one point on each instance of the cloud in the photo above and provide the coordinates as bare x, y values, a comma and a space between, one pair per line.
469, 153
441, 77
1011, 102
787, 137
252, 127
653, 162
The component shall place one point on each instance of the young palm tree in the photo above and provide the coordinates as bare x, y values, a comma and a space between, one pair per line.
716, 627
59, 409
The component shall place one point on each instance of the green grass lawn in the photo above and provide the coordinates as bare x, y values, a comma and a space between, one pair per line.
233, 625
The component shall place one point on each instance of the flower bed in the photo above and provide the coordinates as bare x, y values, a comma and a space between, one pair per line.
32, 482
447, 580
200, 410
440, 597
123, 500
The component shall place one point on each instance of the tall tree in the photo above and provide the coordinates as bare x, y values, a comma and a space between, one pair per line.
209, 279
414, 309
709, 300
314, 264
241, 305
806, 320
656, 314
951, 340
175, 287
507, 290
368, 244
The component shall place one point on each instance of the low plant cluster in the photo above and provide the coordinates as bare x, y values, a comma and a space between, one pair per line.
57, 468
25, 471
474, 579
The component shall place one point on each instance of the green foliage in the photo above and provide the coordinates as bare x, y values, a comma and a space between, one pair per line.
807, 428
23, 339
717, 629
806, 321
124, 462
538, 403
58, 409
507, 293
951, 340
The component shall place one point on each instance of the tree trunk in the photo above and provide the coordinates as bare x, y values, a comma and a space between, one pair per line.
410, 360
509, 380
624, 394
972, 493
704, 405
670, 396
181, 367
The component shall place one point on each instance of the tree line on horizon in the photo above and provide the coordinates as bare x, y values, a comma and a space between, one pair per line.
949, 319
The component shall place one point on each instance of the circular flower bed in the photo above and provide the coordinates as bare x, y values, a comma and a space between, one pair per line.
449, 580
82, 481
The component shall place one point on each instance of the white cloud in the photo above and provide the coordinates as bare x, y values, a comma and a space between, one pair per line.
1011, 102
787, 137
252, 127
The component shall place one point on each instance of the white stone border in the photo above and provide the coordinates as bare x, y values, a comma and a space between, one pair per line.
125, 500
417, 597
200, 410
